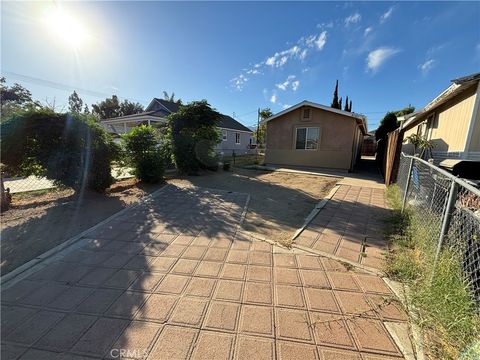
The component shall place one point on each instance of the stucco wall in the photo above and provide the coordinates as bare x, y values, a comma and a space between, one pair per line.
337, 134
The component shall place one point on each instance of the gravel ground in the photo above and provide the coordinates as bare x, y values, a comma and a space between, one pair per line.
279, 201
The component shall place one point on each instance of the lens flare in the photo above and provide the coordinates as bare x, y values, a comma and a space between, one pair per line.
66, 27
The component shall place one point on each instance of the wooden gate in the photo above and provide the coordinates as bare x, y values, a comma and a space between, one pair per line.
392, 155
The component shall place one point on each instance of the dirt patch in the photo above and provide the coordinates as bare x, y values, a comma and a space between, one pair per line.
279, 201
38, 221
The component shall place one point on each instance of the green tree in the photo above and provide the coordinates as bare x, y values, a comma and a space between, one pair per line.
261, 132
75, 103
143, 153
387, 124
15, 98
350, 106
171, 98
335, 104
191, 136
70, 149
108, 108
340, 103
346, 104
405, 111
112, 107
130, 108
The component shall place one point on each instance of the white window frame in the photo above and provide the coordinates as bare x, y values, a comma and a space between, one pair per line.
224, 135
239, 137
306, 137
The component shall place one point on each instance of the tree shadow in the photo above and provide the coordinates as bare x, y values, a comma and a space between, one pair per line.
124, 280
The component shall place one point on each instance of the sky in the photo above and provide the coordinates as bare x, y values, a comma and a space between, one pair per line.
241, 56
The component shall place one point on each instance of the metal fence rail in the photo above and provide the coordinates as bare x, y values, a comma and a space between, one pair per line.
17, 185
447, 210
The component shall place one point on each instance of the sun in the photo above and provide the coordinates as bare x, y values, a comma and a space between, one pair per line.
66, 27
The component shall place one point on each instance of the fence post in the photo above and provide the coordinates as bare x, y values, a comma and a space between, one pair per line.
447, 215
407, 184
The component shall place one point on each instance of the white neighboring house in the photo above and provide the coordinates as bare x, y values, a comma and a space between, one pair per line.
235, 137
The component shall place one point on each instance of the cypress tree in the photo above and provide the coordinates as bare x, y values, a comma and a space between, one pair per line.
350, 107
340, 104
335, 103
346, 104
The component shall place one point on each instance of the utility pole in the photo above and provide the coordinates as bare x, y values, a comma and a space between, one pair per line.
258, 132
258, 125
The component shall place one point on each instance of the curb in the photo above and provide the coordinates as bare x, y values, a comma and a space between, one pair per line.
292, 171
401, 292
316, 210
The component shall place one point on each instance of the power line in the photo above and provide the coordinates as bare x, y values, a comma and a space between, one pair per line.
61, 86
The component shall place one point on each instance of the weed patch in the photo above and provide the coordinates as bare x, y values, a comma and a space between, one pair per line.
439, 294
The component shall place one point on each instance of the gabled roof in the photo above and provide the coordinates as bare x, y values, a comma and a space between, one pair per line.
168, 107
458, 86
141, 114
227, 122
358, 117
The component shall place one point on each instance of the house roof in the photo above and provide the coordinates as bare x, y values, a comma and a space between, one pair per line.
359, 117
169, 105
458, 86
226, 122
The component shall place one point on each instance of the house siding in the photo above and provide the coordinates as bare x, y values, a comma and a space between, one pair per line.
336, 142
228, 146
449, 130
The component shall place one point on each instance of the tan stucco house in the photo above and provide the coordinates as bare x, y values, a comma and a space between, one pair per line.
451, 122
314, 135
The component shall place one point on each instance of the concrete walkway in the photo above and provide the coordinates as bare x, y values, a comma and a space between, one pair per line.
350, 226
173, 279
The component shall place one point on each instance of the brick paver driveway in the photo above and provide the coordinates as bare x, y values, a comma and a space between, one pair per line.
172, 280
350, 226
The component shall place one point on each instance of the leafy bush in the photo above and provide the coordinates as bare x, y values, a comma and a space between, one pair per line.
191, 136
143, 153
70, 149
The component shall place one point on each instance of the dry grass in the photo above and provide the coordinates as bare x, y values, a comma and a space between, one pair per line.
444, 307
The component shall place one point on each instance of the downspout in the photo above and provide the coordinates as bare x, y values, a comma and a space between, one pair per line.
353, 146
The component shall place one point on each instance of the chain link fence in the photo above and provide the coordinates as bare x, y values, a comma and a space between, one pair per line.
447, 210
17, 185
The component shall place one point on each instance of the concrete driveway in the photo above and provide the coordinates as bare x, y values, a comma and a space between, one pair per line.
173, 279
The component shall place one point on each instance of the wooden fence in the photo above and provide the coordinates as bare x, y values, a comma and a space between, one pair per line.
392, 156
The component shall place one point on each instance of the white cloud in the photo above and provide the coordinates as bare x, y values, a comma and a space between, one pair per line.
353, 19
239, 82
324, 25
289, 82
304, 46
321, 40
377, 57
368, 30
303, 54
385, 16
286, 106
273, 98
427, 66
295, 85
